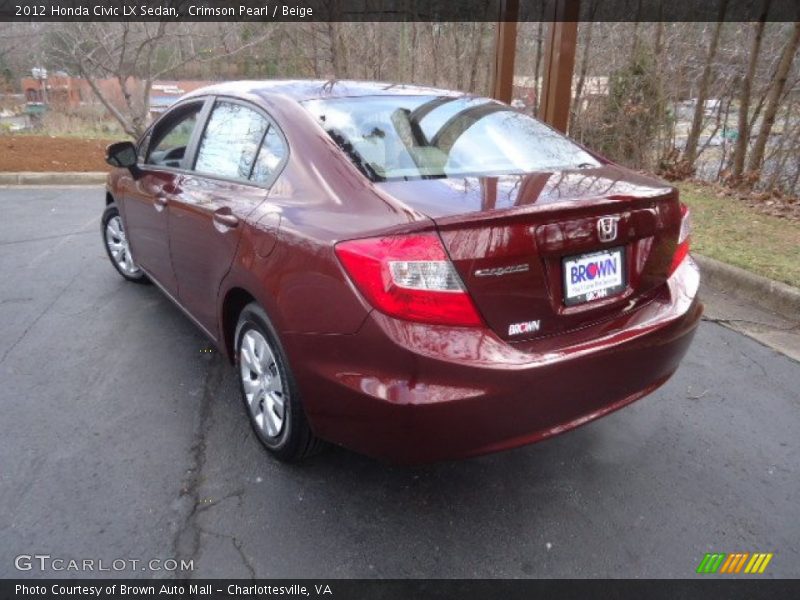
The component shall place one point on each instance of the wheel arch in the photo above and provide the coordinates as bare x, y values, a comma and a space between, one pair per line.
234, 301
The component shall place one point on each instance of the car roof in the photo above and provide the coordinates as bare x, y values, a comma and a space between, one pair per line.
308, 89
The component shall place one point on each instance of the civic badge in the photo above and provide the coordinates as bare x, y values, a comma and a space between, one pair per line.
607, 228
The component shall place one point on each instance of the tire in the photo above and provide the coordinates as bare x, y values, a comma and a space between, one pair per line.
269, 391
117, 247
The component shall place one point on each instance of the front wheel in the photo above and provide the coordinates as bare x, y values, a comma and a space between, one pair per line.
117, 247
268, 389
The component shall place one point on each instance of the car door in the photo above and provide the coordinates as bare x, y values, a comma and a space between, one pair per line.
232, 166
163, 155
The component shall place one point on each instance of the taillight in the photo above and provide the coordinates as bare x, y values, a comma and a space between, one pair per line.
684, 237
409, 277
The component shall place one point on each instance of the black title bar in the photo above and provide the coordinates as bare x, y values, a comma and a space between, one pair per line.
391, 10
708, 588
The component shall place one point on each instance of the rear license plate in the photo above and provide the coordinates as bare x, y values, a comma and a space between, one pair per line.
592, 276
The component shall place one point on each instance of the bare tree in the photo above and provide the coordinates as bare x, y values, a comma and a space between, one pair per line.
773, 98
690, 152
537, 69
740, 149
134, 54
587, 46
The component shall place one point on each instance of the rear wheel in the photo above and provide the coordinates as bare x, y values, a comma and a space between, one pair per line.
268, 389
117, 246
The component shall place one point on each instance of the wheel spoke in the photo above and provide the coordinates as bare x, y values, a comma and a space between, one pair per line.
247, 360
278, 406
112, 235
251, 347
258, 417
129, 266
256, 408
249, 354
263, 352
271, 420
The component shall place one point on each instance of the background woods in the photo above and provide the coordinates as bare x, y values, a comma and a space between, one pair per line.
718, 101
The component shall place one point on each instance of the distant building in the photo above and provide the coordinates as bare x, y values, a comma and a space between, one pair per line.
164, 94
58, 90
62, 92
593, 88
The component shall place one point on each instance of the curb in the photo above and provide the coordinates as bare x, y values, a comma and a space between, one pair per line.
53, 178
773, 295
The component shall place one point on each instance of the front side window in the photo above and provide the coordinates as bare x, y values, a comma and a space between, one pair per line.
413, 137
231, 141
170, 139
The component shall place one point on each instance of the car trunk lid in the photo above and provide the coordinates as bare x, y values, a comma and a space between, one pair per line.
509, 238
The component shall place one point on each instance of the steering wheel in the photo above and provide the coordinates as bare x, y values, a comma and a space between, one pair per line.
174, 156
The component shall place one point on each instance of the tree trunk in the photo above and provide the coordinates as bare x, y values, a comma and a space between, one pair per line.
435, 33
576, 101
537, 66
780, 154
724, 154
456, 37
740, 150
413, 77
774, 98
690, 152
335, 50
127, 126
658, 45
635, 36
476, 59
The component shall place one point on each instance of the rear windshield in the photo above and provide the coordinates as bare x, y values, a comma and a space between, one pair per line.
416, 137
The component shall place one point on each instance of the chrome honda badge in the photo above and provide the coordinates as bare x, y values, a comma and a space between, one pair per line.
607, 228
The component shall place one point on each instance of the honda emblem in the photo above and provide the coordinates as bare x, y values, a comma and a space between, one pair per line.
607, 228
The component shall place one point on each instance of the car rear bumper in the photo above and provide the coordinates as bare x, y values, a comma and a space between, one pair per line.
413, 393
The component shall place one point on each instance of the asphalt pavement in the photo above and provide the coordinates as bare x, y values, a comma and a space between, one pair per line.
122, 437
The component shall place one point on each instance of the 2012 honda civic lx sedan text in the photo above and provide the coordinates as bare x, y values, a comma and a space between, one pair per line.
412, 273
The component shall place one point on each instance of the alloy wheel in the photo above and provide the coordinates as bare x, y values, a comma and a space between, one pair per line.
262, 383
118, 247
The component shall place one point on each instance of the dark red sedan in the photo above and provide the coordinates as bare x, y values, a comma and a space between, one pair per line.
413, 273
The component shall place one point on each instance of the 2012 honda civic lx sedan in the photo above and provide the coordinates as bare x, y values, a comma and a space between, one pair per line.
412, 273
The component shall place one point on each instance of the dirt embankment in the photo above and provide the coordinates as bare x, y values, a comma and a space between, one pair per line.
44, 153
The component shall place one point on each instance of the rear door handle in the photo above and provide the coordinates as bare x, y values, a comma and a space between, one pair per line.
226, 218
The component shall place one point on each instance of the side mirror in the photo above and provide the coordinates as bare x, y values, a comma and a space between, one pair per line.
121, 154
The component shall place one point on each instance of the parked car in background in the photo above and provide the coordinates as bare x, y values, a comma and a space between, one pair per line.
413, 273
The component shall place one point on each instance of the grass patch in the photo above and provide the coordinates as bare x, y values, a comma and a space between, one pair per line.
729, 230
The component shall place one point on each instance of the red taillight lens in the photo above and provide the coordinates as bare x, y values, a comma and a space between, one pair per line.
409, 277
682, 251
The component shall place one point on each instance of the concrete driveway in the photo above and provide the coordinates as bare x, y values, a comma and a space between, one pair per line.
121, 437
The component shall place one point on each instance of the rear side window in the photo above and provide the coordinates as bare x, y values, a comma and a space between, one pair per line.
270, 157
231, 141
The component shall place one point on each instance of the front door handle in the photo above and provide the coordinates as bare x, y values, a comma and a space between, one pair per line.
226, 218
